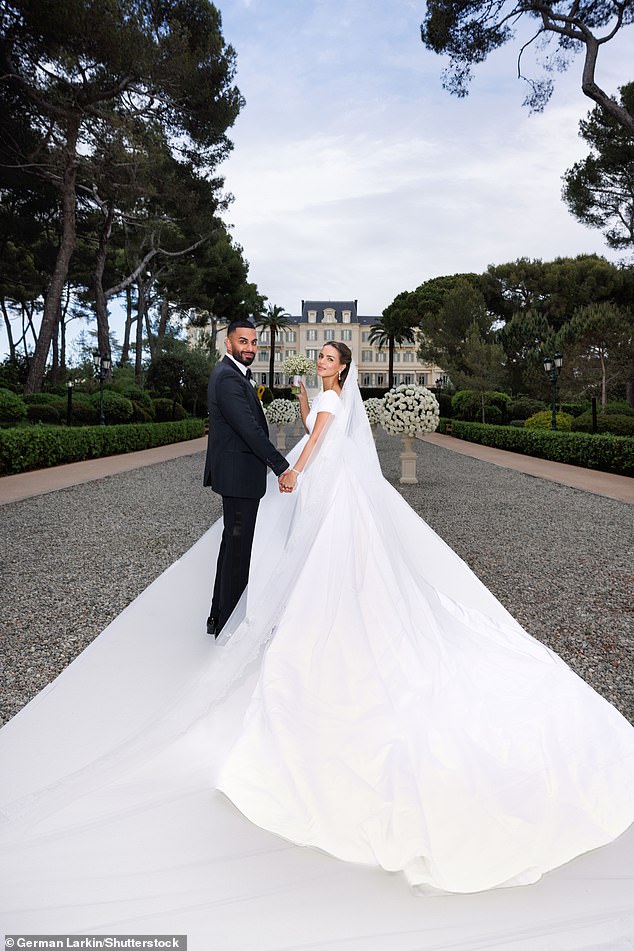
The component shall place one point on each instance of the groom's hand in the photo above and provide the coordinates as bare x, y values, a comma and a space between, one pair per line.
288, 480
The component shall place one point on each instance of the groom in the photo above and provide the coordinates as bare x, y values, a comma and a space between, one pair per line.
238, 453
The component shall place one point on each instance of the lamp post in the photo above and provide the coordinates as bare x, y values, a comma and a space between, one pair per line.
552, 366
102, 365
69, 402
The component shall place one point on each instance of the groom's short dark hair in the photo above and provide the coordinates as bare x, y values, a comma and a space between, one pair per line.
237, 324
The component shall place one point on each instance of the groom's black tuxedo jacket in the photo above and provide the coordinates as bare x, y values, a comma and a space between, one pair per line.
238, 448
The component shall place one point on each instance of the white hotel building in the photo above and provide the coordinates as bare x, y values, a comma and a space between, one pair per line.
321, 321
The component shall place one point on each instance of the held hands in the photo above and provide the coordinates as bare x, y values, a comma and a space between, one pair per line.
288, 480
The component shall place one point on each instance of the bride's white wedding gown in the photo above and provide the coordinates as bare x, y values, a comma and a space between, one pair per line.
370, 698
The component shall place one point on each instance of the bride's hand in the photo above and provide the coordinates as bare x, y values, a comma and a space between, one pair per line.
302, 395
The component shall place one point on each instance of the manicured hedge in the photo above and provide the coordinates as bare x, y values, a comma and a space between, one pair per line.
607, 453
38, 447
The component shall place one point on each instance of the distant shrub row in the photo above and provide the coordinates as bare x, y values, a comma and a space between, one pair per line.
133, 406
605, 452
38, 447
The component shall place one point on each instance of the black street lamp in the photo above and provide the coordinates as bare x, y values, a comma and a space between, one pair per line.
552, 366
102, 365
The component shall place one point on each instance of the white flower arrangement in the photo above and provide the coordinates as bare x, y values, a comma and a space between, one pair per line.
410, 410
280, 412
374, 409
299, 365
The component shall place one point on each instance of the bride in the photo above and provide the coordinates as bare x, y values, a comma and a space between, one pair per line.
401, 717
369, 697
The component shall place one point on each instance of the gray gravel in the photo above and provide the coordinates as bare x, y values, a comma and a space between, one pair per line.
558, 558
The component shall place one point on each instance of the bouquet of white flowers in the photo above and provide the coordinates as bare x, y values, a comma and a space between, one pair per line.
410, 410
281, 412
299, 365
374, 409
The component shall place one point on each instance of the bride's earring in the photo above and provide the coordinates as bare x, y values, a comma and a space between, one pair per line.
339, 376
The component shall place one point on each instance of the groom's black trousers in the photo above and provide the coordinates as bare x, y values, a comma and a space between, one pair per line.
234, 557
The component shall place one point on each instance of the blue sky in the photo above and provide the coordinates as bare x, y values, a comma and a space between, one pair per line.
356, 175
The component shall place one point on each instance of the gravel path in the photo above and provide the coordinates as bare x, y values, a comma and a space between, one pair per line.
559, 559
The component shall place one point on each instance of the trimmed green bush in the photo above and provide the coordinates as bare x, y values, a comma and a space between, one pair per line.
619, 407
84, 413
445, 404
604, 452
467, 404
606, 423
543, 420
573, 409
12, 407
141, 397
38, 447
165, 410
49, 399
140, 413
524, 406
42, 413
116, 408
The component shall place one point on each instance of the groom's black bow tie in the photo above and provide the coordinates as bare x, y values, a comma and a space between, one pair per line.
248, 374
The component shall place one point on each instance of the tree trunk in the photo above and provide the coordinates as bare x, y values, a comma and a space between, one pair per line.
62, 344
60, 271
140, 308
148, 330
125, 351
162, 326
101, 305
7, 324
55, 349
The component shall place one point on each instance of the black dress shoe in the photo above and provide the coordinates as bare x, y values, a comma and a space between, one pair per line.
212, 627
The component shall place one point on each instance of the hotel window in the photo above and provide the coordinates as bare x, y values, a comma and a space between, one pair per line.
291, 353
365, 336
311, 354
422, 379
263, 354
346, 334
397, 357
407, 378
329, 315
409, 356
312, 316
366, 356
381, 356
380, 379
264, 336
278, 356
290, 336
311, 334
329, 335
366, 379
345, 316
263, 378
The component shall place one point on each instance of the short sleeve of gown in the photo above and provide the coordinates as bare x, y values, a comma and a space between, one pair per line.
328, 402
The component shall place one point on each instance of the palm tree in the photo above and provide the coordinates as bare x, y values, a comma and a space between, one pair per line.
395, 327
275, 318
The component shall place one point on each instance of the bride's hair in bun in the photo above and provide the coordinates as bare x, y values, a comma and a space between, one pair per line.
345, 356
